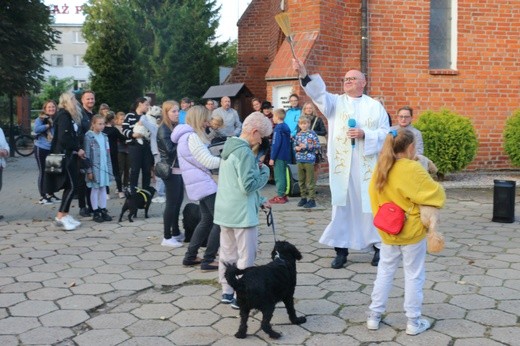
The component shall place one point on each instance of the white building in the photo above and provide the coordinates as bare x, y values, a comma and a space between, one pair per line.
66, 59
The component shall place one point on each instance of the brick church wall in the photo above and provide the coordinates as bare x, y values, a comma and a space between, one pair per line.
485, 86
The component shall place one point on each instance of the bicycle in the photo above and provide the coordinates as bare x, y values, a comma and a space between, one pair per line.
23, 142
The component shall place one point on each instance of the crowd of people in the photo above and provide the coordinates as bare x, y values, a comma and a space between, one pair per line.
369, 163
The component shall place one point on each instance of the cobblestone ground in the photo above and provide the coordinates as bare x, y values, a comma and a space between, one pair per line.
113, 284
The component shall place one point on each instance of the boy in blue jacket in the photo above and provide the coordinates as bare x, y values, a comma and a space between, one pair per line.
280, 155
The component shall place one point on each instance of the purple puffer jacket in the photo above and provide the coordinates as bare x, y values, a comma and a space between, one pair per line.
198, 180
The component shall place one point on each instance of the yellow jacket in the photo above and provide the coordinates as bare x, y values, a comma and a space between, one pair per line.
408, 186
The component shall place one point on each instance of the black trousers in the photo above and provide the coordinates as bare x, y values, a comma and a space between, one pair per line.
174, 196
141, 159
40, 155
82, 190
115, 172
70, 186
205, 228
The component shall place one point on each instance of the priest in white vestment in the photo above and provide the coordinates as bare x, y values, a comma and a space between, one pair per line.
352, 155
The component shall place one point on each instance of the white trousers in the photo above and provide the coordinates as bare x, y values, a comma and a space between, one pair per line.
237, 245
413, 257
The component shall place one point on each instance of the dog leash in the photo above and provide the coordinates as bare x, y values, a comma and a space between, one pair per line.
270, 222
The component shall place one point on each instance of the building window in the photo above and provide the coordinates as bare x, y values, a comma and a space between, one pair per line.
56, 60
80, 84
443, 42
78, 37
78, 60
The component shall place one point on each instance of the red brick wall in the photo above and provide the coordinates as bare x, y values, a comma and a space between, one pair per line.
257, 45
485, 89
485, 86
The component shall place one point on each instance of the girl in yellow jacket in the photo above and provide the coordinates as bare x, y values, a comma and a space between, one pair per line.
400, 179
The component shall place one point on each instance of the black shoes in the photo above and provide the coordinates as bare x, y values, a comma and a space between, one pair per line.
104, 214
375, 259
191, 262
211, 266
339, 261
310, 204
97, 216
85, 212
101, 215
302, 202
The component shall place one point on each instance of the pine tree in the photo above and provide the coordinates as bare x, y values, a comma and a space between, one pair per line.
184, 58
25, 34
113, 52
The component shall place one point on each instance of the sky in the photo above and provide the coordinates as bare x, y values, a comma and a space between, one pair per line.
230, 13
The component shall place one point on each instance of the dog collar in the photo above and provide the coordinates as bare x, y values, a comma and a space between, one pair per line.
278, 259
143, 193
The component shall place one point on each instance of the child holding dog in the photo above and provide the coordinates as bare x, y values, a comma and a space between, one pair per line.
241, 177
99, 172
400, 179
306, 144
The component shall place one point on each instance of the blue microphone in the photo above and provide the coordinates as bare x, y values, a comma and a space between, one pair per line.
352, 124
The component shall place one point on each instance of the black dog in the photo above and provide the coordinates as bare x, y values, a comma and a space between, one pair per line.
190, 220
141, 199
263, 286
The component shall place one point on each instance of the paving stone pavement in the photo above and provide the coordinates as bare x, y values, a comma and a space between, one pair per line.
113, 284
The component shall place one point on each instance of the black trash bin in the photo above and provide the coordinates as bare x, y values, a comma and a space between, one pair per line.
504, 201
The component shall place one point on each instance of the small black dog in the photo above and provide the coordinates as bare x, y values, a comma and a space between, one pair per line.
263, 286
141, 199
190, 220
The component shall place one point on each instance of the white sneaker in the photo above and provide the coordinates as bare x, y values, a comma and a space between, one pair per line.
65, 223
180, 238
121, 194
171, 243
72, 220
159, 199
373, 320
418, 327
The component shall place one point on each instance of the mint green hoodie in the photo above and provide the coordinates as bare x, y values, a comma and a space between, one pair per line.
239, 182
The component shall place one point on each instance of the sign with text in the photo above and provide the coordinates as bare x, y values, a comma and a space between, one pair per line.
66, 11
281, 95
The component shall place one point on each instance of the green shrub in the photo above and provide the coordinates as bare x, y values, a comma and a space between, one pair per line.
512, 137
449, 140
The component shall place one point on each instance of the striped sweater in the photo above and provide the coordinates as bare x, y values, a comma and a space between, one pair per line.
128, 126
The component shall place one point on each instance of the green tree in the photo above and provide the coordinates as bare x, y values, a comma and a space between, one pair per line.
450, 140
512, 137
184, 57
25, 34
113, 52
51, 90
230, 58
